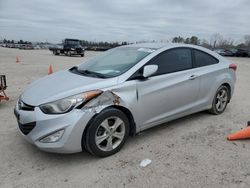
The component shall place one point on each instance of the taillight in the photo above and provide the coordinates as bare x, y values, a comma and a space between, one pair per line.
233, 66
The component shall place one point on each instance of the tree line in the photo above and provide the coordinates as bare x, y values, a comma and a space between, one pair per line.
82, 42
216, 41
102, 44
5, 41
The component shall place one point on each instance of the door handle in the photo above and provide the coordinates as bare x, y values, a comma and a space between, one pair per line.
192, 77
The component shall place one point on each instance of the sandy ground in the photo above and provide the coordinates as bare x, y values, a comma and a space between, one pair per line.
189, 152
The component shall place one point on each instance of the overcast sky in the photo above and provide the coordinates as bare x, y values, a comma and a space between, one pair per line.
127, 20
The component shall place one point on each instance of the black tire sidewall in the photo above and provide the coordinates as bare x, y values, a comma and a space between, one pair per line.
94, 124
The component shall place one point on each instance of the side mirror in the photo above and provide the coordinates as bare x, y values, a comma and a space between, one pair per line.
149, 70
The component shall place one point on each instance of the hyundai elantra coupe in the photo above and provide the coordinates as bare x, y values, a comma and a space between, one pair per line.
96, 106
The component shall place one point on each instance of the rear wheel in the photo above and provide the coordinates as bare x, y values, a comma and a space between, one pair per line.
221, 100
69, 53
107, 133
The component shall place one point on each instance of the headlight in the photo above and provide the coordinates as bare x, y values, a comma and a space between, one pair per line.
72, 48
67, 104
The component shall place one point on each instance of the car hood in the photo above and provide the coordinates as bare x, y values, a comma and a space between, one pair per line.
60, 85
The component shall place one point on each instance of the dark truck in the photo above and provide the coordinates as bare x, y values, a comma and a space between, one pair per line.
69, 47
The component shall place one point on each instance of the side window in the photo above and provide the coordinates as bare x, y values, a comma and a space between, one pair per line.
173, 60
203, 59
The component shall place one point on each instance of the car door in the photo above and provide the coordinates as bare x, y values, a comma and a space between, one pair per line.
171, 91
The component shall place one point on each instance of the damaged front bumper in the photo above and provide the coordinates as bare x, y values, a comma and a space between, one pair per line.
34, 125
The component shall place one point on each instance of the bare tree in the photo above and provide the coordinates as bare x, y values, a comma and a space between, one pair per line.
218, 41
206, 44
215, 39
225, 43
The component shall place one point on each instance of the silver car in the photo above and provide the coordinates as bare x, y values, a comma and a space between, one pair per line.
95, 106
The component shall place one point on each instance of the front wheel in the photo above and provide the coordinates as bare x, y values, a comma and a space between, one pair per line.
107, 133
220, 101
55, 52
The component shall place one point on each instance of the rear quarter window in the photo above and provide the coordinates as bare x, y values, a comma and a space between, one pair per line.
204, 59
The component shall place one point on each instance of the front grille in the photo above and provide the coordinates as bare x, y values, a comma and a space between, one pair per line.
24, 106
26, 128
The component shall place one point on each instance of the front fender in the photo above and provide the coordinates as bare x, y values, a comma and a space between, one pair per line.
106, 99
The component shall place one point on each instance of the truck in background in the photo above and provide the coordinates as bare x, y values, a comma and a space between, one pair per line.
69, 47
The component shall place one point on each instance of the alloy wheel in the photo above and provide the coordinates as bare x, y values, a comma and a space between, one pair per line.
110, 133
221, 100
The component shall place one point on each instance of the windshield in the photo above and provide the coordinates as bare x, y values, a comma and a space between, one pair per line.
115, 62
72, 42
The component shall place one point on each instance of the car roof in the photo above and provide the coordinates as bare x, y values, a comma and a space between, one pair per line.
158, 45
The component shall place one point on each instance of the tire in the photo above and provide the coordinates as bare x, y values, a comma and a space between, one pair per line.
220, 101
69, 54
55, 52
106, 133
82, 55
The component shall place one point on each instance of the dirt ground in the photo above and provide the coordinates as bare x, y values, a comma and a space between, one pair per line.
189, 152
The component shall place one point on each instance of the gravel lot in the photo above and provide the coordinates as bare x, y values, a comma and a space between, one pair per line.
189, 152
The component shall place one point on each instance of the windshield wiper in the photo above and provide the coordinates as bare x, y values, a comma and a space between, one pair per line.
92, 73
